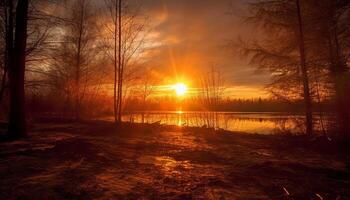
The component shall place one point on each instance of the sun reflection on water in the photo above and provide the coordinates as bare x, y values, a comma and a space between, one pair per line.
179, 114
261, 123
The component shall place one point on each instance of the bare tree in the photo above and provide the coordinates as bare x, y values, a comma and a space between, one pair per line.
211, 94
74, 65
304, 72
329, 37
213, 88
128, 37
40, 25
146, 90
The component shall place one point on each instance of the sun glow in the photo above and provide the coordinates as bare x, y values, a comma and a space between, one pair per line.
180, 89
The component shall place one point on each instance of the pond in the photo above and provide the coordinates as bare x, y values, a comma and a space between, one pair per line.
249, 122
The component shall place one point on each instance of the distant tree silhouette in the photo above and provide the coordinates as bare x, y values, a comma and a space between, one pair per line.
76, 62
146, 89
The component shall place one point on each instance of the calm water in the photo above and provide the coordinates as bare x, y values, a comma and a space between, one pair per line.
261, 123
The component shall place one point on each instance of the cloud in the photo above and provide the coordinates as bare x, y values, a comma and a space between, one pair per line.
192, 34
188, 37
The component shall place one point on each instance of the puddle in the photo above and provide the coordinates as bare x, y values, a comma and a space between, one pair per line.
157, 160
167, 164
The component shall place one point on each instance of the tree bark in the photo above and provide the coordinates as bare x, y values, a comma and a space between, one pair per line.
304, 71
17, 119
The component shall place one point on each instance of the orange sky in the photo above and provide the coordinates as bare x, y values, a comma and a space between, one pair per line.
188, 37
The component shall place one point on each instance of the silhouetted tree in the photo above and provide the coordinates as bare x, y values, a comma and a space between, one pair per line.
211, 94
277, 52
128, 37
146, 89
115, 8
17, 61
330, 50
39, 28
304, 71
75, 66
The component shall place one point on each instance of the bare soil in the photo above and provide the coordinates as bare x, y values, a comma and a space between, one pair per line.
97, 160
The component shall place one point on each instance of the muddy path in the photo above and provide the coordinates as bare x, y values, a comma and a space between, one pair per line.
96, 160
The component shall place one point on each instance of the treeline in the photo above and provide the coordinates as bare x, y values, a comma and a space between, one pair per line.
225, 105
304, 44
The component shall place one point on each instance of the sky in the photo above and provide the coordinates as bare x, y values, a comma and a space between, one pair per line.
189, 37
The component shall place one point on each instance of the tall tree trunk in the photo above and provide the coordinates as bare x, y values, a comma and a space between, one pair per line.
115, 63
120, 79
78, 63
17, 120
304, 71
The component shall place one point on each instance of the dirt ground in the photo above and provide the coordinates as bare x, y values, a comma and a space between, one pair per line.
96, 160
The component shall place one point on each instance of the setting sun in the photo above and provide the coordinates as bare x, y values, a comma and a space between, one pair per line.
180, 89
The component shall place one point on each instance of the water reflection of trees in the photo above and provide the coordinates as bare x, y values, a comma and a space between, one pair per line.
271, 123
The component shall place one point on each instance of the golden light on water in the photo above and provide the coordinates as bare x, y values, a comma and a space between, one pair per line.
180, 89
